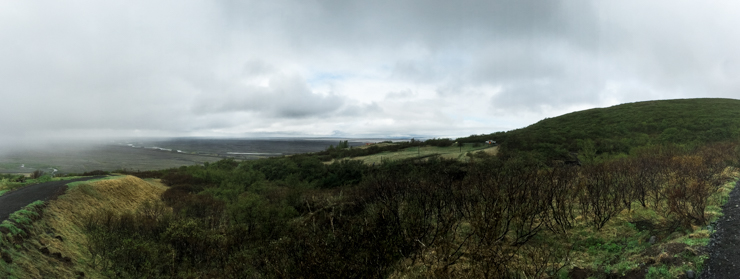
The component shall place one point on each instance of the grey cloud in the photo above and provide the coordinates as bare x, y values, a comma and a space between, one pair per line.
258, 68
94, 66
533, 95
415, 70
285, 96
402, 94
511, 62
441, 21
314, 27
365, 110
535, 78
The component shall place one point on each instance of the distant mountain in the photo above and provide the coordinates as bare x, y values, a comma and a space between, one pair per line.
619, 128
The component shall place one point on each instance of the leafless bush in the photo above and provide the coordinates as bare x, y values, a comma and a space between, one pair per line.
600, 200
543, 258
559, 193
688, 190
37, 174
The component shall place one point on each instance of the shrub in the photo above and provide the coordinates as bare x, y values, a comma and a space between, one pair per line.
37, 174
95, 172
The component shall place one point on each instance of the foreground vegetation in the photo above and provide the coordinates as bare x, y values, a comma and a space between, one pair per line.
492, 217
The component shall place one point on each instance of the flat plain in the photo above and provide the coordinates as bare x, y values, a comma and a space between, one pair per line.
104, 157
151, 154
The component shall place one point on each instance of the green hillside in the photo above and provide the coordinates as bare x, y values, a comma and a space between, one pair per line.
619, 128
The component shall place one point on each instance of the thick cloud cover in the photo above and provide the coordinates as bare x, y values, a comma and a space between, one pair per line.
348, 68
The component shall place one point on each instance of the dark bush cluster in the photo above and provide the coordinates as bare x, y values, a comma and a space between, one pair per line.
37, 174
142, 174
95, 172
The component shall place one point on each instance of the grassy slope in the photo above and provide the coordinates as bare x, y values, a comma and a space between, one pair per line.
60, 228
618, 128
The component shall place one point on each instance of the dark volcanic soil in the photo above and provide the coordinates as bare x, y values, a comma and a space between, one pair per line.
13, 201
724, 248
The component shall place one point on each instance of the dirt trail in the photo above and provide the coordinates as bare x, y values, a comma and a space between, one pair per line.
724, 248
13, 201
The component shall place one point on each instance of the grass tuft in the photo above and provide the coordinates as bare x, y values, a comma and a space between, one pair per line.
12, 228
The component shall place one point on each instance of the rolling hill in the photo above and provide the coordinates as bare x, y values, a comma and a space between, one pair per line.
620, 128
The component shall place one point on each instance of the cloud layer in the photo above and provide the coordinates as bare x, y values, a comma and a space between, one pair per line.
350, 68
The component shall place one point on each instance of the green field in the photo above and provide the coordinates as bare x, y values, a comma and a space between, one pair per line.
451, 152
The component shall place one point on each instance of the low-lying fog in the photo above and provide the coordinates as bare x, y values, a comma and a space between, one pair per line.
82, 155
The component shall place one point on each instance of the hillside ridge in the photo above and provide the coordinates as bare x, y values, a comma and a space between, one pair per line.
620, 128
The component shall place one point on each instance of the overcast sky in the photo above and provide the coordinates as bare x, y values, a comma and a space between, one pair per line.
349, 68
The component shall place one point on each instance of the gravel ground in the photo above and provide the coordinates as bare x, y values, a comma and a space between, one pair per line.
724, 248
13, 201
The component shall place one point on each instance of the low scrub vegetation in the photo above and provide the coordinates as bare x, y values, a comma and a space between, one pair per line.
491, 217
